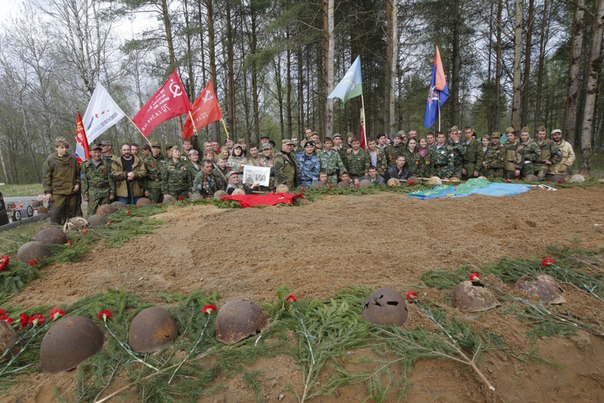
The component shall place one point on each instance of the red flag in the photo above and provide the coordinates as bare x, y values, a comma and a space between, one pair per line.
169, 101
363, 139
204, 111
82, 150
440, 81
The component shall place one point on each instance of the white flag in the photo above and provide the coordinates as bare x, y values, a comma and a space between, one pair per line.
101, 114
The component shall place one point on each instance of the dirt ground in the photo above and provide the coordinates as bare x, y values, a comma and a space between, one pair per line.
380, 240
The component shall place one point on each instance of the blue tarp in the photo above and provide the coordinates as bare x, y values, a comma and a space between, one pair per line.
473, 186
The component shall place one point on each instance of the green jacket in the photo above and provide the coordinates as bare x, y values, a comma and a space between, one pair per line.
358, 163
413, 162
121, 182
176, 178
286, 170
60, 174
511, 157
473, 152
97, 181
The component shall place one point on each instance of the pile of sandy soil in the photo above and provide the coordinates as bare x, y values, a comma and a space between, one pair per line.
381, 240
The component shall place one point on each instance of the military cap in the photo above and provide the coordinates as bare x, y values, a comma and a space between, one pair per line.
541, 129
232, 173
193, 152
288, 142
309, 143
454, 129
95, 146
556, 131
525, 129
155, 144
176, 148
510, 130
264, 136
337, 135
496, 135
105, 143
266, 146
237, 145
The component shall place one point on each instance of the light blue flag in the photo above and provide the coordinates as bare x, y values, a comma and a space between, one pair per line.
351, 85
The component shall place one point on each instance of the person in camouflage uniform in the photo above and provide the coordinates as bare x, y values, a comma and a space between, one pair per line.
331, 162
206, 183
286, 170
492, 161
340, 147
107, 152
382, 144
221, 172
377, 158
253, 157
193, 165
154, 164
98, 186
425, 164
529, 152
357, 160
511, 156
61, 183
549, 153
440, 156
457, 151
396, 149
412, 157
472, 159
176, 178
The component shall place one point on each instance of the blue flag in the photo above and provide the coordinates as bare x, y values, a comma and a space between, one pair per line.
438, 92
351, 85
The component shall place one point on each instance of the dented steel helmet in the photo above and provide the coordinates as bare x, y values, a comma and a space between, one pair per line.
237, 320
69, 342
151, 329
8, 338
75, 224
542, 287
385, 306
470, 297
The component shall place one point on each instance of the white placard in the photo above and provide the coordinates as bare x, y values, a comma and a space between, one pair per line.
256, 175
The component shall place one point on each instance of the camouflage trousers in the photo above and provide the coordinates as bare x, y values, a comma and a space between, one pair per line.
540, 170
442, 171
179, 193
469, 167
94, 201
155, 194
332, 180
491, 172
63, 207
509, 174
527, 169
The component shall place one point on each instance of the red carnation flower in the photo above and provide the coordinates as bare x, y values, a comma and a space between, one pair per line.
4, 261
85, 231
330, 187
548, 261
7, 319
301, 190
2, 311
56, 314
181, 198
36, 320
508, 181
69, 243
209, 309
410, 183
128, 212
356, 186
474, 277
109, 223
105, 315
32, 263
412, 296
560, 181
23, 320
291, 298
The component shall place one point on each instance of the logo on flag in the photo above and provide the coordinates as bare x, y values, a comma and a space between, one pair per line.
204, 111
438, 92
351, 85
82, 151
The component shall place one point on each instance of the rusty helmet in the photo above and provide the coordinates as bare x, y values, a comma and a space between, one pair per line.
282, 189
414, 179
364, 183
118, 204
435, 180
69, 342
169, 199
97, 220
196, 197
385, 306
51, 235
531, 178
470, 297
556, 179
343, 185
542, 288
151, 329
219, 194
34, 250
393, 183
106, 209
238, 192
317, 185
8, 338
577, 178
238, 319
75, 224
143, 201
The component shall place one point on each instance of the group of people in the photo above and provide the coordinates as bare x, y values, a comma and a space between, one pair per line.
203, 168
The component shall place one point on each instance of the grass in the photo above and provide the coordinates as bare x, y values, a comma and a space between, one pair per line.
32, 189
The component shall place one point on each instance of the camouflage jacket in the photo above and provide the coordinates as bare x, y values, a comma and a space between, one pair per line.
267, 162
511, 157
331, 162
493, 157
413, 162
358, 163
60, 174
286, 170
382, 162
549, 151
440, 156
206, 185
154, 167
529, 151
308, 168
97, 181
175, 178
473, 152
458, 150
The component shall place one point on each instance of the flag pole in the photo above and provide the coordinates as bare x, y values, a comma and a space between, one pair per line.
438, 103
225, 128
193, 122
139, 130
363, 117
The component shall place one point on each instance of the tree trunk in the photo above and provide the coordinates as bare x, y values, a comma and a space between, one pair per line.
299, 57
494, 121
255, 96
231, 96
526, 88
329, 53
543, 39
279, 94
591, 94
168, 30
517, 83
392, 62
190, 70
572, 90
289, 108
212, 54
456, 63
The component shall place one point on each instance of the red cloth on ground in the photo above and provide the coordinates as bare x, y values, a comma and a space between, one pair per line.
270, 199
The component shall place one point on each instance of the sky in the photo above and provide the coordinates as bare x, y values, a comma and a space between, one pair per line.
9, 8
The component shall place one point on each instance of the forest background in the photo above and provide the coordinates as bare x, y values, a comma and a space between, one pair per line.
273, 63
